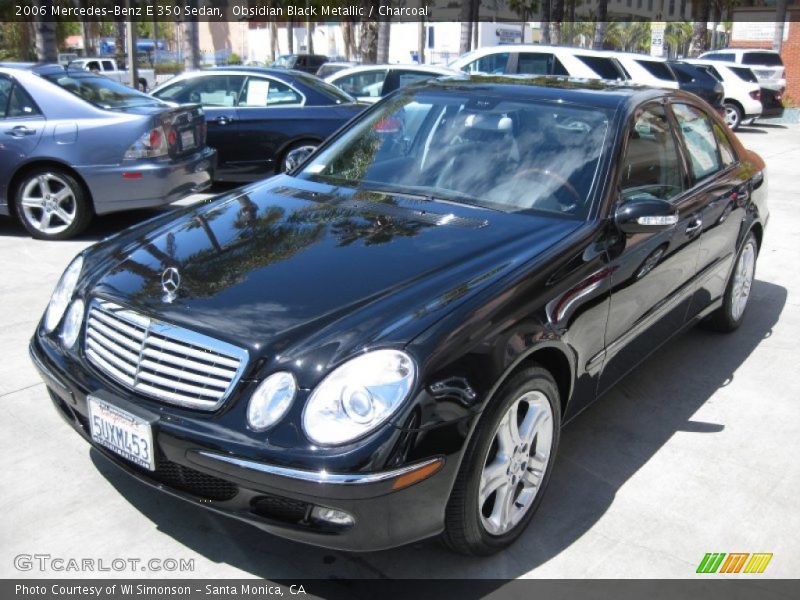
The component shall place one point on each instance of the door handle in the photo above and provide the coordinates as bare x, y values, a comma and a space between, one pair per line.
223, 120
695, 225
19, 131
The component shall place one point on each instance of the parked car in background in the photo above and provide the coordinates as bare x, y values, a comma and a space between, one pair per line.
765, 64
308, 63
771, 103
261, 121
74, 144
329, 68
533, 59
383, 345
645, 70
370, 83
146, 78
697, 80
742, 92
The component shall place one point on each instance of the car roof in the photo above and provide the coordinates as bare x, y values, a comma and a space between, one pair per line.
436, 70
594, 92
631, 55
41, 68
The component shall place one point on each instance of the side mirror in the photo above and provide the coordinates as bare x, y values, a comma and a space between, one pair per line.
645, 216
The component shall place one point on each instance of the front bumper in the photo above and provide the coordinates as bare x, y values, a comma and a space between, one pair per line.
276, 499
145, 184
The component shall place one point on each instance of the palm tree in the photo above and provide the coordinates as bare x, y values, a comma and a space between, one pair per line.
274, 48
677, 36
384, 32
309, 37
602, 23
46, 48
557, 21
466, 26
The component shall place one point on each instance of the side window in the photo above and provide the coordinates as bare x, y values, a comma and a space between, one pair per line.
263, 92
210, 90
21, 105
5, 93
657, 69
369, 83
408, 77
651, 167
108, 65
699, 139
93, 65
534, 63
726, 153
492, 64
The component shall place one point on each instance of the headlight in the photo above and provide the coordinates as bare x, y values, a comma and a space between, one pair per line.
72, 323
271, 400
62, 294
358, 397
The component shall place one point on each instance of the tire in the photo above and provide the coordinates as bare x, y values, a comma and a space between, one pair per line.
51, 204
730, 315
733, 115
475, 522
295, 154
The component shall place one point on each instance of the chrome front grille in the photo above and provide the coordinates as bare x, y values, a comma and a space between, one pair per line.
161, 361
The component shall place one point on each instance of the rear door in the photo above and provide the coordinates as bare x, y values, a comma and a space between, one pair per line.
653, 273
21, 126
721, 187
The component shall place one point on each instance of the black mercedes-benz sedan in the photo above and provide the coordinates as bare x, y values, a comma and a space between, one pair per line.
383, 344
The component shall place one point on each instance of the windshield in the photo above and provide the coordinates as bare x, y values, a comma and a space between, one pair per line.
470, 148
287, 60
101, 91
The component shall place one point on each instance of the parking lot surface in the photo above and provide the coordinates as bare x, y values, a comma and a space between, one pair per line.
694, 452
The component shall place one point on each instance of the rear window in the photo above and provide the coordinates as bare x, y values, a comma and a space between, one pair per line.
325, 88
101, 91
657, 69
745, 74
606, 68
767, 59
724, 56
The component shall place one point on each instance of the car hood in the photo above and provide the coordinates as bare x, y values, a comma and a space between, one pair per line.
306, 273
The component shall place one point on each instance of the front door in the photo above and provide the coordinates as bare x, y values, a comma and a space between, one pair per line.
653, 273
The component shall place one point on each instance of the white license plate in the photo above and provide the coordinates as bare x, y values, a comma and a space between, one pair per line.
118, 430
187, 139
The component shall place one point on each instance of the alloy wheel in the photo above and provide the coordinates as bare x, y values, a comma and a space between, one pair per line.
732, 116
297, 155
48, 203
743, 280
516, 463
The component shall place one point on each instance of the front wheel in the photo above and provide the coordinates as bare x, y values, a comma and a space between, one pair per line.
52, 204
730, 315
295, 154
507, 466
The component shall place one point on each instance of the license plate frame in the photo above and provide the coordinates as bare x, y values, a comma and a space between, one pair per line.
125, 434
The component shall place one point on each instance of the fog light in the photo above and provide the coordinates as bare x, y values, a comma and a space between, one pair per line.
72, 324
332, 516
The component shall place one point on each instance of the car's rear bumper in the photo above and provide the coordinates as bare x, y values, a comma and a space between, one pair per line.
143, 184
276, 499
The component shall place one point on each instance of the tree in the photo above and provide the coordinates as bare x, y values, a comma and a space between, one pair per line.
700, 12
545, 24
677, 36
309, 37
466, 26
46, 48
191, 42
348, 36
384, 32
523, 8
557, 21
602, 23
274, 48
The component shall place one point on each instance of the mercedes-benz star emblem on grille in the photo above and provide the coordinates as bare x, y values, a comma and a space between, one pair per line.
170, 282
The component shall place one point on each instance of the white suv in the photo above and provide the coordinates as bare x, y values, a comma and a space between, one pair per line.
765, 64
742, 95
533, 59
645, 70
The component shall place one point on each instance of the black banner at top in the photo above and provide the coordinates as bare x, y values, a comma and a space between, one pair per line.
394, 10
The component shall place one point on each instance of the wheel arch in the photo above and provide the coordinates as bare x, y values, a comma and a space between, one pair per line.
19, 174
553, 357
296, 140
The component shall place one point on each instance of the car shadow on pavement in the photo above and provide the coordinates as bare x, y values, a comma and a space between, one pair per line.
600, 451
101, 226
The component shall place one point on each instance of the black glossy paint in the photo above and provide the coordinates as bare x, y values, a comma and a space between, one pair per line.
304, 275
